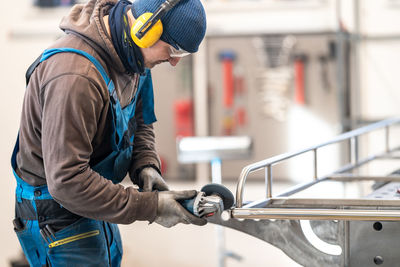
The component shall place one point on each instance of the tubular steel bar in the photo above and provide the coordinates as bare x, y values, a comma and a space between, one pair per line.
349, 178
336, 176
315, 165
337, 203
316, 213
354, 150
269, 180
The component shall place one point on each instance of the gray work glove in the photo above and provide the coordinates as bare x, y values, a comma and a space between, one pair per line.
150, 179
170, 212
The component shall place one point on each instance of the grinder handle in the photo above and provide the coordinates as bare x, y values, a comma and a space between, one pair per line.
188, 204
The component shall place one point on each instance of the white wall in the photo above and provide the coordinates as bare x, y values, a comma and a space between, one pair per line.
379, 90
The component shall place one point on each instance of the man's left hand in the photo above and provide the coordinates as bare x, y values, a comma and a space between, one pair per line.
150, 179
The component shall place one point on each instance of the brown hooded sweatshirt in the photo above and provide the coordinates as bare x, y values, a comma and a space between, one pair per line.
65, 125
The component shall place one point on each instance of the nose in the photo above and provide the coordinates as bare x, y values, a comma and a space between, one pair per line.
174, 61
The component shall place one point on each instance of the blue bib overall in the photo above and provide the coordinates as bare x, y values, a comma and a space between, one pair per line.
83, 242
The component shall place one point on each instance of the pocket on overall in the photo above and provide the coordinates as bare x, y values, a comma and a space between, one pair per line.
19, 225
82, 243
28, 243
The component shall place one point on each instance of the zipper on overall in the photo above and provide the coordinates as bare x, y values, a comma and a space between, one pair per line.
73, 238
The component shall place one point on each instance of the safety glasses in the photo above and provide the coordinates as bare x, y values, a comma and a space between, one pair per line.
177, 52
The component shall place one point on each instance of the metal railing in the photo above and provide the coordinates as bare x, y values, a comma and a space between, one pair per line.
253, 210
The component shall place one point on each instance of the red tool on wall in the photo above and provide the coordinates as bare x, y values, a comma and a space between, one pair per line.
240, 98
183, 110
234, 94
299, 79
227, 58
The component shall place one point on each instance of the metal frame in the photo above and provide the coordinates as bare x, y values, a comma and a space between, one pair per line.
351, 225
283, 207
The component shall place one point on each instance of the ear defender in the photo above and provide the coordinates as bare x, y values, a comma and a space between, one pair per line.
151, 35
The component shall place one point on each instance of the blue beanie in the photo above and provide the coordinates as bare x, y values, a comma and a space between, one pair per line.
184, 25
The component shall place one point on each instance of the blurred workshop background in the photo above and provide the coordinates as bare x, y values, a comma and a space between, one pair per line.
286, 73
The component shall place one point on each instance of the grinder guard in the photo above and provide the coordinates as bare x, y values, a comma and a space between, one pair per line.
213, 198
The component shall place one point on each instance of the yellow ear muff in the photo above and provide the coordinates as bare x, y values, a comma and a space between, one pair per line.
151, 37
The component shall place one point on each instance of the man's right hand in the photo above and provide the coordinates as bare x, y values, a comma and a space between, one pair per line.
170, 212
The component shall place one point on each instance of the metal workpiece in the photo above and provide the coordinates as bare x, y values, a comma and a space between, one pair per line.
344, 174
316, 214
328, 231
344, 231
374, 244
288, 236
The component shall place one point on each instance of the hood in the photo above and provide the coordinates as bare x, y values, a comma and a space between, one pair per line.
86, 21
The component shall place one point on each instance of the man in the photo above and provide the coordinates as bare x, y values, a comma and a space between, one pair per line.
87, 123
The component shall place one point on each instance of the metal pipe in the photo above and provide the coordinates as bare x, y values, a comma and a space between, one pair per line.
315, 165
348, 178
332, 203
316, 214
240, 186
323, 203
274, 160
392, 157
268, 180
354, 150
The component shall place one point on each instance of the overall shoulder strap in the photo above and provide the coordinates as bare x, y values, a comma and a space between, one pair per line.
50, 52
31, 68
147, 96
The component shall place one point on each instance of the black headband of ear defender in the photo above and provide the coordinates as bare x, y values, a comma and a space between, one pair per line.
157, 15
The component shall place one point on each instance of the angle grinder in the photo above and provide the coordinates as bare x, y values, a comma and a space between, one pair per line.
212, 198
